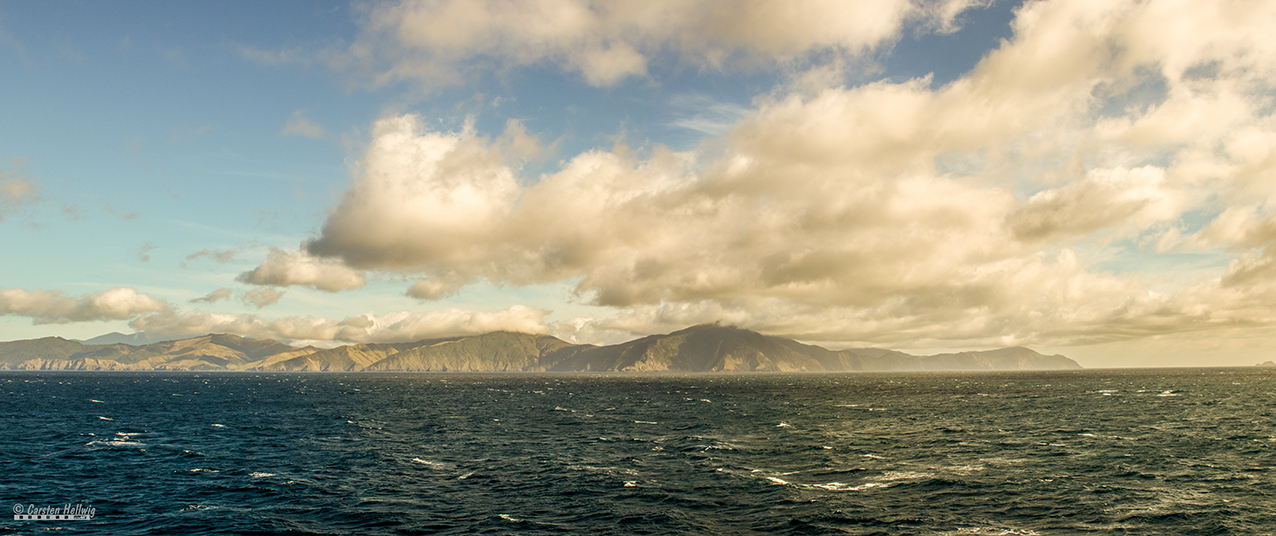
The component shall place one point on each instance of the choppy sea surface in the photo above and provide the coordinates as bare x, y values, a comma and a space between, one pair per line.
1163, 451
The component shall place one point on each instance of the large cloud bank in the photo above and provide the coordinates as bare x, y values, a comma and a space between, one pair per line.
1108, 173
976, 212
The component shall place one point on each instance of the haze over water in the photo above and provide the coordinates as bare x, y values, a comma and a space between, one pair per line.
1169, 451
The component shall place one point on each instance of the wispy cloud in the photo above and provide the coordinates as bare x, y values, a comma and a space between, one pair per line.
705, 115
182, 135
277, 57
15, 189
126, 216
222, 256
262, 297
214, 296
144, 252
299, 125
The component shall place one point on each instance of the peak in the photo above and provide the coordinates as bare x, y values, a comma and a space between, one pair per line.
713, 327
230, 336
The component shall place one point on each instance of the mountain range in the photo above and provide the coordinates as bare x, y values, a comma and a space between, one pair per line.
703, 348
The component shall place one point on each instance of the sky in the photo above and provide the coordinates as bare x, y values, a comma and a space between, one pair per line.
1095, 178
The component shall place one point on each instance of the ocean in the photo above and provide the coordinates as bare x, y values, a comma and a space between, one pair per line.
1147, 451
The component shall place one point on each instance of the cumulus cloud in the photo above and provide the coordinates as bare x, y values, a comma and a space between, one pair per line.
1104, 198
390, 327
284, 268
52, 307
439, 41
795, 221
437, 288
888, 211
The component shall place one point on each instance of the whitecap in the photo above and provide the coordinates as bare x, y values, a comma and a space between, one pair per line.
777, 480
105, 418
646, 422
965, 468
217, 425
783, 425
838, 486
507, 517
114, 443
631, 483
997, 531
257, 474
96, 401
202, 470
465, 476
891, 476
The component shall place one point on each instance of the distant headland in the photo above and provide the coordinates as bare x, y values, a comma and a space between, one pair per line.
703, 348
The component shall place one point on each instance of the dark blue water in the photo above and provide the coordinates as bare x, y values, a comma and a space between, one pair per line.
1180, 451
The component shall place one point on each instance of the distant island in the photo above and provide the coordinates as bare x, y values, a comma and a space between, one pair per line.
703, 348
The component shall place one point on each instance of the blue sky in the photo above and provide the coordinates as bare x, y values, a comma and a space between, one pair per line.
1089, 177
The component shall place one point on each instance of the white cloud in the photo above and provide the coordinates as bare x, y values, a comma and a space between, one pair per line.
437, 288
51, 307
1104, 198
285, 268
878, 213
453, 186
438, 42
